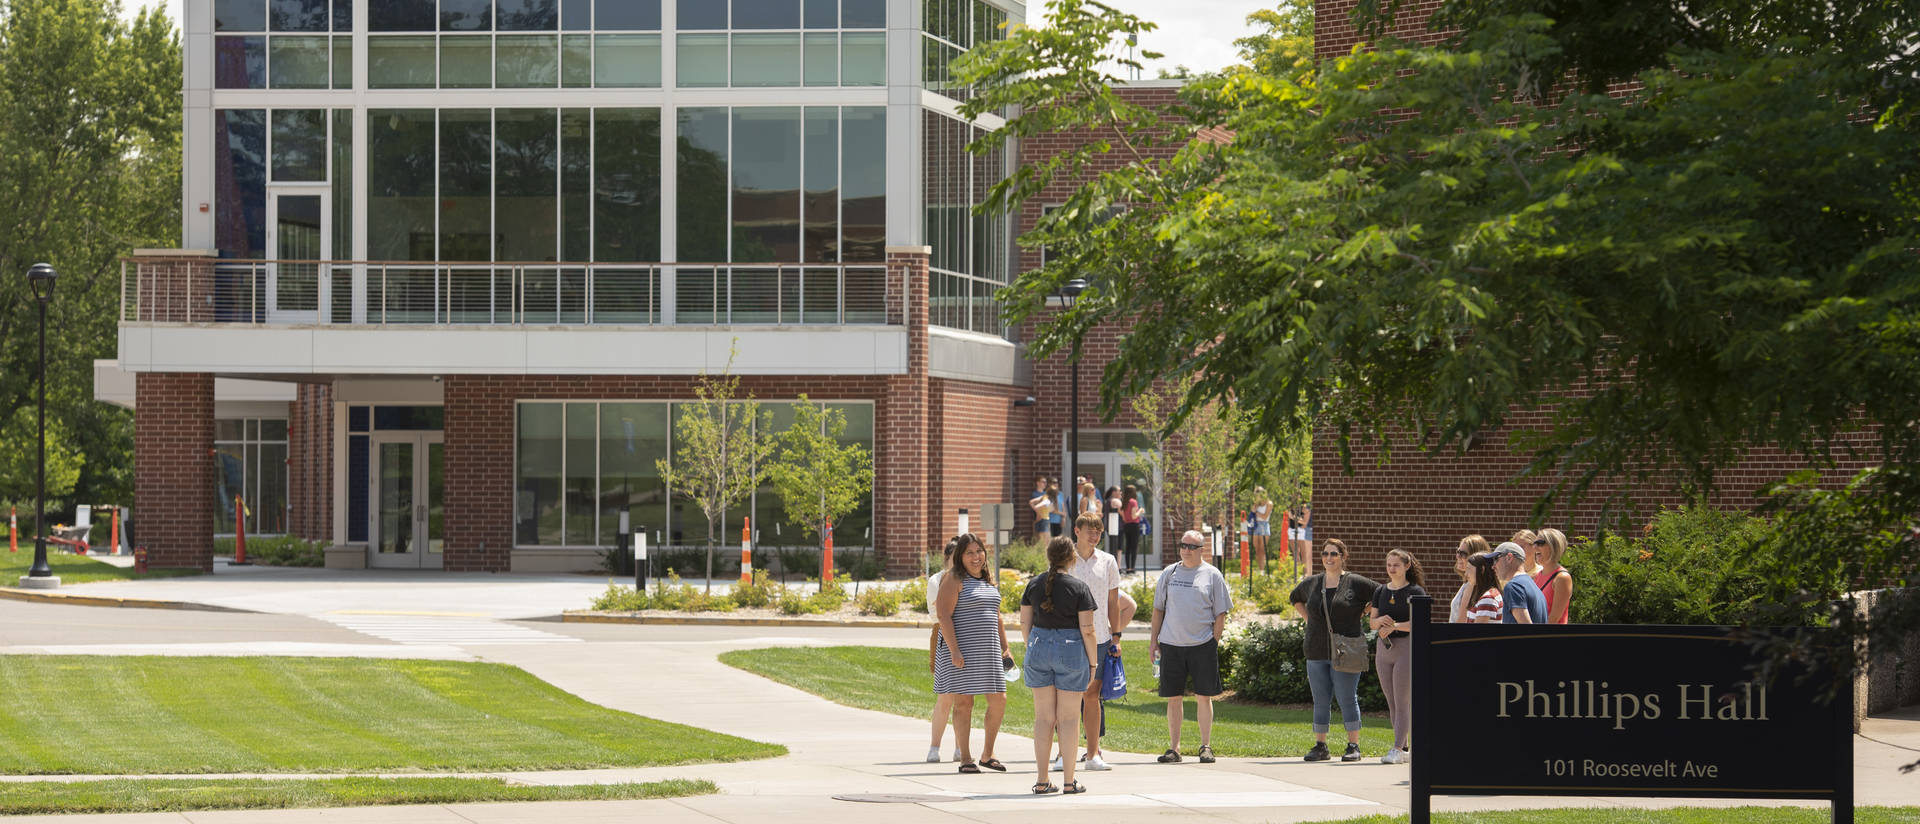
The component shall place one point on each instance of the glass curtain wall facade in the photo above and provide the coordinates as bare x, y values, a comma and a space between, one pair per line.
578, 465
972, 254
250, 461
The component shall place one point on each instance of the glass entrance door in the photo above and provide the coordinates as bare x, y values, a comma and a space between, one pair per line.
408, 512
1106, 469
299, 242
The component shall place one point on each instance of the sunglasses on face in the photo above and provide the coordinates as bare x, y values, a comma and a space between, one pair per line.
1185, 545
1334, 554
1540, 542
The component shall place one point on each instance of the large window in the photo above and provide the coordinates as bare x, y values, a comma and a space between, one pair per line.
748, 43
951, 27
578, 465
283, 44
972, 254
513, 44
250, 461
794, 184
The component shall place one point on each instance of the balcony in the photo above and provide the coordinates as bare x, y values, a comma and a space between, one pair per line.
291, 317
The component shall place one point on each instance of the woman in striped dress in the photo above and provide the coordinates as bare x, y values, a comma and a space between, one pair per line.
971, 654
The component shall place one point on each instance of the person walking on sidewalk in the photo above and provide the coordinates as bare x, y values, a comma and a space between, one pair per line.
1057, 617
1391, 615
971, 655
1333, 601
1190, 606
1101, 573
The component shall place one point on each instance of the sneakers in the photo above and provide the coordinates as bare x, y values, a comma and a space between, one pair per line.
1059, 765
1095, 764
1394, 756
1352, 753
1318, 753
956, 757
933, 755
1170, 757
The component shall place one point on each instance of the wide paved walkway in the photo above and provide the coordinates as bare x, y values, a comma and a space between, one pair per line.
673, 673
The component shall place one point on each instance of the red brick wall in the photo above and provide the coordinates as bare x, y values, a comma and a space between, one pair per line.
310, 462
903, 518
1334, 34
173, 468
983, 445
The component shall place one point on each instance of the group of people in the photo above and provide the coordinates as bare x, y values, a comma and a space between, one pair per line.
1119, 512
1072, 616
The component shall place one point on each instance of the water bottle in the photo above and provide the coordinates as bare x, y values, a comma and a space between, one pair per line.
1156, 668
1012, 672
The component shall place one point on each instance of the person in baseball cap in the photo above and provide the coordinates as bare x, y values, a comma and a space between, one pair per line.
1523, 603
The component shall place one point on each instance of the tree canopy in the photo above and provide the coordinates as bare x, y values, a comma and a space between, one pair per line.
1406, 243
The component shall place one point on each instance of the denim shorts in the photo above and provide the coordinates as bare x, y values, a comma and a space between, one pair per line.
1261, 528
1057, 658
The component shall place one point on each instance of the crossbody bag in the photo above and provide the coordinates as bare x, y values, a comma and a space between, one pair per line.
1349, 651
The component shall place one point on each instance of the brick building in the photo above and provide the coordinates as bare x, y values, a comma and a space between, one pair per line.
450, 265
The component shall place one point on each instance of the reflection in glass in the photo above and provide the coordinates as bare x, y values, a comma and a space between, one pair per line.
400, 62
766, 14
821, 203
822, 59
766, 183
466, 61
702, 172
528, 15
632, 15
863, 185
581, 427
296, 237
626, 60
576, 61
863, 14
576, 184
400, 169
240, 155
863, 59
766, 59
400, 15
239, 15
297, 15
436, 497
702, 60
702, 14
343, 62
856, 529
536, 505
466, 15
395, 499
239, 62
632, 437
626, 175
526, 61
576, 15
343, 205
300, 144
299, 62
466, 183
526, 155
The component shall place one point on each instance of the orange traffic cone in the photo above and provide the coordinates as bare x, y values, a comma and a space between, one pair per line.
13, 529
116, 531
239, 532
746, 550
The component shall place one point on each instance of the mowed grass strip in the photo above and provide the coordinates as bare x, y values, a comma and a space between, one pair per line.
127, 795
897, 681
109, 715
1676, 815
73, 569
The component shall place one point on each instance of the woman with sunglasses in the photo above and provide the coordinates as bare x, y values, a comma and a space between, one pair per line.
1555, 582
1333, 601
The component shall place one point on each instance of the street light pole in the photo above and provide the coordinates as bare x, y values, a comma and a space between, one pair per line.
40, 575
1071, 294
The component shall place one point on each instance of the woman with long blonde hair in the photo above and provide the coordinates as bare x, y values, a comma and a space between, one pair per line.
1555, 582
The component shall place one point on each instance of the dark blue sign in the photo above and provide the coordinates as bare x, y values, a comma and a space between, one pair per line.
1605, 710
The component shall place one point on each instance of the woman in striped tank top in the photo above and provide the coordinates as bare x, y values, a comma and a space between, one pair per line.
971, 654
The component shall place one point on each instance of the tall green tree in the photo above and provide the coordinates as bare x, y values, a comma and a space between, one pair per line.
724, 442
1283, 43
89, 171
1409, 242
819, 479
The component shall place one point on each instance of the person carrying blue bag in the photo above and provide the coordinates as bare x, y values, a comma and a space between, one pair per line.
1190, 607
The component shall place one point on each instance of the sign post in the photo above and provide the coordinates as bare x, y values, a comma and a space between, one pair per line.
1616, 710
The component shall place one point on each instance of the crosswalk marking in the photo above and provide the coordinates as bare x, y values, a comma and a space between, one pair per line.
450, 631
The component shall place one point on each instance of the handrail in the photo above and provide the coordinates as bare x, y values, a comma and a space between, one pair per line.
440, 293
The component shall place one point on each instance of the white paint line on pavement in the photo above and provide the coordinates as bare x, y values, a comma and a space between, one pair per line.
1000, 802
250, 648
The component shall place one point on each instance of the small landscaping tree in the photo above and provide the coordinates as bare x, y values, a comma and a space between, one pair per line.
819, 478
1194, 457
723, 448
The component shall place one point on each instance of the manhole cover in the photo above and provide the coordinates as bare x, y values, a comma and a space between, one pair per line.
899, 798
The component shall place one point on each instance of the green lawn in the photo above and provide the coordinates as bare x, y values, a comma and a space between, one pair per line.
73, 569
175, 795
1681, 815
897, 681
147, 715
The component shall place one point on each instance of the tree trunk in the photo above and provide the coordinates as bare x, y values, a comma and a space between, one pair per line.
711, 528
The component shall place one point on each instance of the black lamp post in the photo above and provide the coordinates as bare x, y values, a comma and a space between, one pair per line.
40, 280
1070, 293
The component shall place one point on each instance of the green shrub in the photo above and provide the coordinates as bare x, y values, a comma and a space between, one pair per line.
1268, 662
802, 560
794, 602
622, 599
914, 594
1142, 593
761, 591
274, 550
670, 594
1689, 566
1012, 588
878, 601
1026, 556
708, 602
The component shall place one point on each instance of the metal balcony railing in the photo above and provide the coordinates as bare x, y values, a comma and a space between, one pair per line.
296, 292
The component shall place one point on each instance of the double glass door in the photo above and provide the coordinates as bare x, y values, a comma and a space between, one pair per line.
1106, 469
408, 511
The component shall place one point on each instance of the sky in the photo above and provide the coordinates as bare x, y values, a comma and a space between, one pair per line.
1195, 33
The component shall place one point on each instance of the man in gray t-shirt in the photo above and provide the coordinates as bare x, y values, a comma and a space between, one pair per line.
1190, 607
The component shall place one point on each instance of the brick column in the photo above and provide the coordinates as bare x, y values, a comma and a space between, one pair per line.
903, 507
310, 462
478, 480
173, 468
